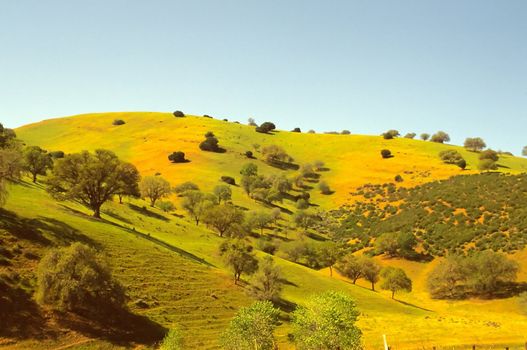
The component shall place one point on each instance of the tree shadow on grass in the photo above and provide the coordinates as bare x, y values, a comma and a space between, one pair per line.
20, 316
412, 305
116, 216
35, 229
120, 327
284, 165
146, 212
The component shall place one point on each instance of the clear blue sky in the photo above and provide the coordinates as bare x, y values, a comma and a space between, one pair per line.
366, 66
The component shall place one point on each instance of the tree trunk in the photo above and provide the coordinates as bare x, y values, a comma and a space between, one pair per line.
355, 280
120, 199
34, 178
152, 202
373, 286
393, 293
97, 212
330, 271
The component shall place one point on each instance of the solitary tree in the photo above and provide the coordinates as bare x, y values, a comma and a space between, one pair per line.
252, 328
489, 154
395, 280
410, 135
474, 144
154, 188
267, 282
440, 137
424, 136
249, 169
210, 143
177, 157
327, 321
186, 186
223, 217
89, 178
239, 256
37, 161
328, 255
222, 193
274, 154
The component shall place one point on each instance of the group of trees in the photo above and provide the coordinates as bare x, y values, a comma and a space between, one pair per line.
453, 157
393, 279
10, 160
481, 273
325, 321
439, 137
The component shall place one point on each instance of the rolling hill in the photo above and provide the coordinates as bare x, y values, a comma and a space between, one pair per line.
171, 267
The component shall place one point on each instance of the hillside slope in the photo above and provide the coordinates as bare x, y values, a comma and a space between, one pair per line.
147, 139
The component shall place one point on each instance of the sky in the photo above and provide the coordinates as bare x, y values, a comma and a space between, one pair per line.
366, 66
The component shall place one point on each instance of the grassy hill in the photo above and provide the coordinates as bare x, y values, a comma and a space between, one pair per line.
171, 267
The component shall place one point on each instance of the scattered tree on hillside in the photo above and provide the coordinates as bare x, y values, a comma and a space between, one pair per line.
424, 136
228, 180
280, 184
370, 271
251, 122
210, 143
386, 153
390, 134
350, 266
249, 169
400, 244
267, 282
76, 279
196, 203
327, 321
328, 255
89, 178
239, 256
410, 135
444, 279
129, 179
345, 132
258, 219
487, 164
57, 154
453, 157
118, 122
154, 188
178, 114
275, 155
252, 328
305, 220
296, 130
474, 144
440, 137
7, 137
36, 161
186, 186
324, 187
177, 157
395, 279
222, 193
10, 161
223, 217
166, 206
489, 154
265, 127
524, 151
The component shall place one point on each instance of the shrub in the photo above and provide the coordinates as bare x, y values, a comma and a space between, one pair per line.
186, 186
249, 154
210, 143
386, 153
118, 122
302, 204
76, 279
398, 178
489, 154
57, 154
440, 137
266, 127
166, 206
178, 114
177, 157
207, 116
228, 180
324, 188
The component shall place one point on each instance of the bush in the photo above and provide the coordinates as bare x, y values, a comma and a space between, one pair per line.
177, 157
57, 154
228, 180
178, 114
265, 127
489, 154
386, 153
210, 143
302, 204
249, 154
324, 188
398, 178
186, 186
118, 122
76, 279
166, 206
